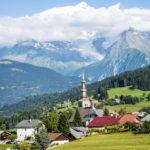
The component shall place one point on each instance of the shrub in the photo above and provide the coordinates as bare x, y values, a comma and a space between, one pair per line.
12, 137
146, 127
130, 126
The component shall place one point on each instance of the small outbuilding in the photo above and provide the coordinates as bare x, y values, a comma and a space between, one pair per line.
78, 132
4, 135
59, 138
146, 118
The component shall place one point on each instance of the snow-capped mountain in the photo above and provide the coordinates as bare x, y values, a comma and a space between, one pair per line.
69, 38
95, 57
64, 57
130, 51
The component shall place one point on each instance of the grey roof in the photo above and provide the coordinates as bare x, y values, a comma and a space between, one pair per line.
76, 134
99, 112
146, 118
81, 129
28, 124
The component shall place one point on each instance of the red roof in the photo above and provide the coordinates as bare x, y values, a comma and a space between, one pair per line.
110, 120
127, 118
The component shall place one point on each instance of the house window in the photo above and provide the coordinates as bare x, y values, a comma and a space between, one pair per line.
86, 105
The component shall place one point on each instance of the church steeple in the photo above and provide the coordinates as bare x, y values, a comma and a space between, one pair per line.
84, 102
83, 88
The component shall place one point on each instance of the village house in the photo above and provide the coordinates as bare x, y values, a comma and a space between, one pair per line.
59, 138
146, 118
4, 135
140, 114
26, 129
99, 122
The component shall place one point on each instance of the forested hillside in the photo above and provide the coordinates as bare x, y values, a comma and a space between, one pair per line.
19, 80
139, 79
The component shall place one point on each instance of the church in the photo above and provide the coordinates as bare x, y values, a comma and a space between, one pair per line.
86, 107
84, 102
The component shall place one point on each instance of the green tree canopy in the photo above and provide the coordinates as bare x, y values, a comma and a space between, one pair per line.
106, 112
77, 119
42, 139
63, 125
122, 111
51, 122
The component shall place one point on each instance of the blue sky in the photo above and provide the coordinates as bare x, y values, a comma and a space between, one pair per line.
16, 8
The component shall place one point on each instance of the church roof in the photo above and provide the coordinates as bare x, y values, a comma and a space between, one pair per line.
83, 112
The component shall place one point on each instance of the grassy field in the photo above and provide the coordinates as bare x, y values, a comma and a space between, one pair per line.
118, 141
126, 91
130, 107
4, 146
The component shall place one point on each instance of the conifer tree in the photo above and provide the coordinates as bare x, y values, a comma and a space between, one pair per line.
63, 125
77, 119
42, 139
148, 97
106, 112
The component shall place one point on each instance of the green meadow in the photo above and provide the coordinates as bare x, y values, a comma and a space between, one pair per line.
129, 107
118, 141
126, 91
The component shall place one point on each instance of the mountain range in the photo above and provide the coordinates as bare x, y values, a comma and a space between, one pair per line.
64, 57
95, 57
18, 80
130, 51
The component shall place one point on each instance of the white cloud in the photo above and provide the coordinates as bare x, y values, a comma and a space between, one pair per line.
73, 22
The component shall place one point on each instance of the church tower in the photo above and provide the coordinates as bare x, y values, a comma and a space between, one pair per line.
83, 89
84, 102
